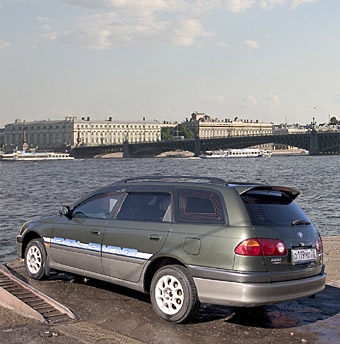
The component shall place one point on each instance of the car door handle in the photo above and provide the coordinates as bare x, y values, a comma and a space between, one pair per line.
155, 237
95, 232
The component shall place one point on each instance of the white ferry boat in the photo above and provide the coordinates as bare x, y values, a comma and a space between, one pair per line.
247, 153
236, 153
35, 156
216, 154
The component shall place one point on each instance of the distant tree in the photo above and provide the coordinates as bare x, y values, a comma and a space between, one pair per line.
334, 121
185, 131
166, 134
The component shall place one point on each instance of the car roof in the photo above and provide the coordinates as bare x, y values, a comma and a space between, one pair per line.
240, 187
171, 180
175, 179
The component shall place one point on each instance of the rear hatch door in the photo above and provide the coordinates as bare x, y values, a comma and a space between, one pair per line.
275, 215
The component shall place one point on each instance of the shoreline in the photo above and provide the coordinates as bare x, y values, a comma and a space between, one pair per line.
186, 154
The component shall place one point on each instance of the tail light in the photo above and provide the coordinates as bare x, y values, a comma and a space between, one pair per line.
318, 244
261, 247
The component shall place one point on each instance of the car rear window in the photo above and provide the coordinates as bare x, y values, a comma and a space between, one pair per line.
270, 208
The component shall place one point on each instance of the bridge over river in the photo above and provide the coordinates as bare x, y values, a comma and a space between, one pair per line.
314, 142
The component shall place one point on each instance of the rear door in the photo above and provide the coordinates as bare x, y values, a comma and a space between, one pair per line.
138, 232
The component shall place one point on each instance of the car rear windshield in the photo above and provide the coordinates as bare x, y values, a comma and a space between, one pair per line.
272, 208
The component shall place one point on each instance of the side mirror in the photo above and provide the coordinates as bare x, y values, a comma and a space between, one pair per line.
65, 210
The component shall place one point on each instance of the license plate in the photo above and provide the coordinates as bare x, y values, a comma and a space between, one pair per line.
303, 255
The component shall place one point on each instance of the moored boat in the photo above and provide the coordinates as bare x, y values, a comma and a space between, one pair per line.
35, 156
213, 154
247, 153
237, 153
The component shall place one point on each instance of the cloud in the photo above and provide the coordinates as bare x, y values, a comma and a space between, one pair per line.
250, 44
177, 22
269, 4
193, 6
295, 3
271, 100
222, 45
110, 23
235, 6
33, 47
226, 46
4, 44
219, 99
185, 32
249, 100
51, 36
107, 30
44, 19
130, 5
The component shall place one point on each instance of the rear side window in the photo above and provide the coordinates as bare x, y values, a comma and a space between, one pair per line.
145, 206
199, 206
272, 208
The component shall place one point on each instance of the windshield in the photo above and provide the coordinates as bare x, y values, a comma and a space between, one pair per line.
273, 208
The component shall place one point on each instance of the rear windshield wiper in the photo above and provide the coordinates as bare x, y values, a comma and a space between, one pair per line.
300, 222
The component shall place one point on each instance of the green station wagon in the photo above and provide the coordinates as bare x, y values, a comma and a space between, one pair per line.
184, 240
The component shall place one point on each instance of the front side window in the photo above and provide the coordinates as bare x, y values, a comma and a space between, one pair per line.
146, 206
99, 206
202, 206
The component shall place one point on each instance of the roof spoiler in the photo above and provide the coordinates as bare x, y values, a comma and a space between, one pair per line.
291, 193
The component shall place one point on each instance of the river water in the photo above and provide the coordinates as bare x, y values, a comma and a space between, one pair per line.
33, 189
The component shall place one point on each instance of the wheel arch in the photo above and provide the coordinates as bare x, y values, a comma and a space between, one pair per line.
156, 265
27, 238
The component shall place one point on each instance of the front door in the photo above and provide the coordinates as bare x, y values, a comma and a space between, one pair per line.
138, 232
76, 242
77, 238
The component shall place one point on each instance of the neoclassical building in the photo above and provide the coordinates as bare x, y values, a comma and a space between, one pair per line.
73, 132
49, 134
206, 127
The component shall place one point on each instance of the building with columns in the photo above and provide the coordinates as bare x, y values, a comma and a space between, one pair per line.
71, 132
206, 127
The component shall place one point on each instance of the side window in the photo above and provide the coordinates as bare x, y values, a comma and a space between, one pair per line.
98, 206
199, 206
145, 206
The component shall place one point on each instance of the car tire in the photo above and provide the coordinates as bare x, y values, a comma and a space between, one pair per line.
35, 259
173, 294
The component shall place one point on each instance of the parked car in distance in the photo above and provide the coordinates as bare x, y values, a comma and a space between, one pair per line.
184, 240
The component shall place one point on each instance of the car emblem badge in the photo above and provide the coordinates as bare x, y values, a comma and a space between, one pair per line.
299, 234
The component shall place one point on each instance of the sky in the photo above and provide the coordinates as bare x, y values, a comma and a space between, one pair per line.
272, 60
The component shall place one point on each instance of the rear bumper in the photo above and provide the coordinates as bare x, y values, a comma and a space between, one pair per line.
257, 294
